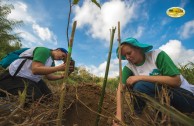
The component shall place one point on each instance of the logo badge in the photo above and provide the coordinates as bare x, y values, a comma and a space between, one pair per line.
155, 72
175, 12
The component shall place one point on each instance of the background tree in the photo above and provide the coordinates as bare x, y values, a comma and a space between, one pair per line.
9, 40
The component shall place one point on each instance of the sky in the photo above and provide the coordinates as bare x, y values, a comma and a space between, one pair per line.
45, 23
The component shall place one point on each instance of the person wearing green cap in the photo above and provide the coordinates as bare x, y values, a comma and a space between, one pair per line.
30, 68
147, 70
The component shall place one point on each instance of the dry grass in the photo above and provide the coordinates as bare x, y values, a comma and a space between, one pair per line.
157, 111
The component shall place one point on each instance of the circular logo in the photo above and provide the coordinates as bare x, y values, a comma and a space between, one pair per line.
175, 12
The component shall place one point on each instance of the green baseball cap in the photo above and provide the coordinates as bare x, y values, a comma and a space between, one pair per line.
134, 42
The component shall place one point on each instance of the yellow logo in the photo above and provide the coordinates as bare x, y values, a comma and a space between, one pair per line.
175, 12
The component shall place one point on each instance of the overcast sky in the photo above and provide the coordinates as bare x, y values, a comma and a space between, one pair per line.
45, 23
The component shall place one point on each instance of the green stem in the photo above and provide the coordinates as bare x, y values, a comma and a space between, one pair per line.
63, 89
69, 15
105, 78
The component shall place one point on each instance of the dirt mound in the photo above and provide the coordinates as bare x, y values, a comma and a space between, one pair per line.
84, 105
80, 108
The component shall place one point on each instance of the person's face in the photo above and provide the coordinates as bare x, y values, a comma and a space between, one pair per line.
59, 55
132, 54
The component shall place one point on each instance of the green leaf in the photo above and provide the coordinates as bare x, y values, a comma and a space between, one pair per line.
97, 4
75, 1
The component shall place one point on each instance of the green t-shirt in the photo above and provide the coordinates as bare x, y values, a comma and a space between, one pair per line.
41, 54
163, 62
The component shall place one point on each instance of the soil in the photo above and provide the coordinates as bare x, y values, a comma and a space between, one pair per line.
80, 108
82, 111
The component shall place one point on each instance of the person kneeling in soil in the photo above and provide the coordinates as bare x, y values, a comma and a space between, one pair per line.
146, 71
32, 71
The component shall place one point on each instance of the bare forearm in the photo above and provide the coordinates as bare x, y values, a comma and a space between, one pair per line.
40, 69
167, 80
43, 70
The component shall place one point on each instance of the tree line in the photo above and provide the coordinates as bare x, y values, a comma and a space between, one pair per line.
9, 41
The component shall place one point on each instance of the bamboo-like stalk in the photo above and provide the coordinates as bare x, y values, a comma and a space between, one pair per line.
119, 112
63, 89
105, 77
